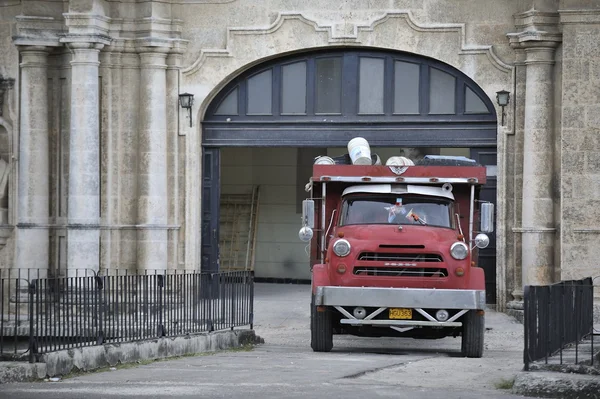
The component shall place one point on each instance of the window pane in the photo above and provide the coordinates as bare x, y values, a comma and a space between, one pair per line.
474, 104
260, 93
406, 88
229, 106
293, 88
441, 92
329, 86
370, 90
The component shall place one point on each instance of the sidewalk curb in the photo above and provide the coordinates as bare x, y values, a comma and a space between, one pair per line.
548, 384
90, 358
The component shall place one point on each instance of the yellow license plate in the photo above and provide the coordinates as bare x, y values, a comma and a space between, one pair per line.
400, 313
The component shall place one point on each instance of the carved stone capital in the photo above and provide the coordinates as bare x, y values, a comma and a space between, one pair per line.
536, 29
82, 24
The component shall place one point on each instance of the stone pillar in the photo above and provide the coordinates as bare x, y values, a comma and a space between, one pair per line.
152, 170
174, 61
83, 237
538, 225
111, 86
32, 238
517, 174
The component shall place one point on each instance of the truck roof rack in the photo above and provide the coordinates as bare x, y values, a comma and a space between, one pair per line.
400, 174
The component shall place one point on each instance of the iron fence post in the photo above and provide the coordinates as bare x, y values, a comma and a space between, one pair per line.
100, 309
233, 281
160, 285
526, 327
251, 300
211, 326
32, 340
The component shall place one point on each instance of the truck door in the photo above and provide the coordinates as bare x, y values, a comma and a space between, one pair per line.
487, 257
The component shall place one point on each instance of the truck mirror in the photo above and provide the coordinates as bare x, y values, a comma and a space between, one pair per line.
308, 213
487, 217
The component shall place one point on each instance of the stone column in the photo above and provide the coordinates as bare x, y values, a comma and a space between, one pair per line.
83, 237
174, 61
538, 226
110, 154
128, 180
152, 171
32, 246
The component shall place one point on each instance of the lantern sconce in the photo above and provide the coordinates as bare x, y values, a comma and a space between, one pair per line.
186, 100
503, 98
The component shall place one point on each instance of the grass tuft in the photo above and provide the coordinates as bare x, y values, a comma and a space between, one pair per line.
505, 383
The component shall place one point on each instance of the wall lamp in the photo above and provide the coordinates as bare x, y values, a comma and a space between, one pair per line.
186, 100
503, 97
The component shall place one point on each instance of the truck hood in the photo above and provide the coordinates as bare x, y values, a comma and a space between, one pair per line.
392, 235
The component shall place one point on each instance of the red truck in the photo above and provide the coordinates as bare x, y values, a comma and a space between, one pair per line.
394, 252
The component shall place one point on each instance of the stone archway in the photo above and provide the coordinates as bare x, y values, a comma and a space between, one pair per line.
323, 98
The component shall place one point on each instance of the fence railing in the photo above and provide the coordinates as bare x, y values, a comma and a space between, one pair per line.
70, 312
559, 323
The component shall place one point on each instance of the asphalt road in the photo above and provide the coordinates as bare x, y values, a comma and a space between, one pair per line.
285, 367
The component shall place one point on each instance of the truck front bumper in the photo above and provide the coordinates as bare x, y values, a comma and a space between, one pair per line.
421, 300
400, 297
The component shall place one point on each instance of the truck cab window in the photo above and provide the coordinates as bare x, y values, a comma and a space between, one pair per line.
405, 210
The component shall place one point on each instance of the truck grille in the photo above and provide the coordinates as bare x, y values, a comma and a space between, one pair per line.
401, 271
392, 257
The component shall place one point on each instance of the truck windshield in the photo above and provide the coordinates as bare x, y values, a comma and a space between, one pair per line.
417, 210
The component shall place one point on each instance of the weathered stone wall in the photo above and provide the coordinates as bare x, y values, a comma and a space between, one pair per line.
580, 145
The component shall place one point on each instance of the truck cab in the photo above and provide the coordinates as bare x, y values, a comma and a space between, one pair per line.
394, 252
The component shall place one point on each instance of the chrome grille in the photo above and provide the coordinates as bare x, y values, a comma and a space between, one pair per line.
401, 271
394, 257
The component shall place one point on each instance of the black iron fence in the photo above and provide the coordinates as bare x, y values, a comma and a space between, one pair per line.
559, 323
42, 315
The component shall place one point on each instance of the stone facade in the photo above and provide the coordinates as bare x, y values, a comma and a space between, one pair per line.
103, 169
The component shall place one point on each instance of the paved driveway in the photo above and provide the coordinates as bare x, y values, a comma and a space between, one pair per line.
285, 366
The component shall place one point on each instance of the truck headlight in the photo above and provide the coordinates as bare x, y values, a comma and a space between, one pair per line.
459, 250
341, 248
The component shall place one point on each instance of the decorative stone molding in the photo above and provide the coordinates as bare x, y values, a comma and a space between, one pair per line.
535, 20
349, 33
549, 230
201, 1
36, 30
5, 85
159, 45
87, 24
579, 16
587, 231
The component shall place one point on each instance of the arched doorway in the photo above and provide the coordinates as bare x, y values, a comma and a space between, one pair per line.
324, 98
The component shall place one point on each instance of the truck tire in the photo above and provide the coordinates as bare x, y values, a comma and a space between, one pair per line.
321, 329
473, 330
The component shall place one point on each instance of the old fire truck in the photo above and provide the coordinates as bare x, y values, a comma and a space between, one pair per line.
394, 252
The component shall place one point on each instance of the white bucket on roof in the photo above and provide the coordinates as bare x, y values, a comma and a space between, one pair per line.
375, 159
399, 161
324, 160
360, 152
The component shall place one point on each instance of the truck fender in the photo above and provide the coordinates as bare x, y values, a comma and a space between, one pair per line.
320, 277
477, 279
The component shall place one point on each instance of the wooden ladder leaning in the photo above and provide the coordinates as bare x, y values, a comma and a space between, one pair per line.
238, 226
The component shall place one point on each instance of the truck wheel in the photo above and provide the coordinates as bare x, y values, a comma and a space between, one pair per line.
473, 330
321, 329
